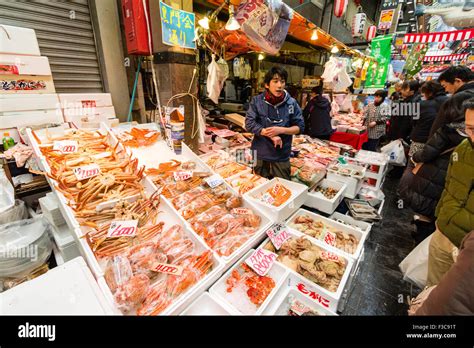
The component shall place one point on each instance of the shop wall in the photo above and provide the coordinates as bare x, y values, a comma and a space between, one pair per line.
108, 35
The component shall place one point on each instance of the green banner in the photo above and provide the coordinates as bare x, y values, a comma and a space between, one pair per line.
378, 69
415, 60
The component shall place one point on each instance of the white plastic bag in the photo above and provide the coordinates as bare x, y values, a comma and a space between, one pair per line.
218, 73
396, 152
415, 266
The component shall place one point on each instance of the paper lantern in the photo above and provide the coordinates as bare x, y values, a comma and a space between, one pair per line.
464, 44
358, 24
441, 46
404, 47
371, 32
340, 7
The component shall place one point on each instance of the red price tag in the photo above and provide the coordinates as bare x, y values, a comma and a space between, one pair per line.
261, 261
278, 235
326, 255
241, 211
182, 176
167, 268
267, 198
330, 238
123, 228
66, 146
86, 172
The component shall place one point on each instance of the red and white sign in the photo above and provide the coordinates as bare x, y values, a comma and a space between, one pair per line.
299, 308
214, 180
182, 176
123, 228
313, 295
167, 268
86, 172
326, 255
241, 211
457, 35
358, 24
441, 46
329, 238
371, 33
340, 7
447, 57
66, 146
261, 261
267, 198
386, 19
278, 235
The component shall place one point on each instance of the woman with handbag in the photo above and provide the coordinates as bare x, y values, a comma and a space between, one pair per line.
430, 166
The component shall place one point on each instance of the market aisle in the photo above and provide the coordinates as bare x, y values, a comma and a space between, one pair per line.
380, 283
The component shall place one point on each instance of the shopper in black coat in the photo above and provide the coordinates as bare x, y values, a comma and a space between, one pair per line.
403, 112
317, 115
426, 186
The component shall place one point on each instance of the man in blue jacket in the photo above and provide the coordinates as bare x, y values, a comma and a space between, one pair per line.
274, 117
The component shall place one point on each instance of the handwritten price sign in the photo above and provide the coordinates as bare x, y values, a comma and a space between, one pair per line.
261, 261
167, 268
123, 228
278, 235
326, 255
214, 181
65, 146
267, 198
329, 238
182, 176
86, 172
241, 211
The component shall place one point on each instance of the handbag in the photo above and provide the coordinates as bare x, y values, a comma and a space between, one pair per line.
419, 165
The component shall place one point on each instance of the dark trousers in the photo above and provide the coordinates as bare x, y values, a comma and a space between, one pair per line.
371, 145
272, 170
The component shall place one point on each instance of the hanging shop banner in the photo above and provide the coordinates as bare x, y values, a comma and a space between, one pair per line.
458, 35
415, 60
266, 23
387, 14
177, 27
378, 69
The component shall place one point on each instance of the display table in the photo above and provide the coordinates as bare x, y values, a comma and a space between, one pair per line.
354, 140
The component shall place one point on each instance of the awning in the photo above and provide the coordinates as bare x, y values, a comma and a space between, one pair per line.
457, 35
446, 57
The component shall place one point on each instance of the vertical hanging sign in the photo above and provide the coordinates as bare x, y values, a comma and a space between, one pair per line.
415, 60
177, 27
378, 69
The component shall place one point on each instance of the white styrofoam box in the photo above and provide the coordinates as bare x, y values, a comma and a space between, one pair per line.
281, 303
371, 195
206, 304
360, 236
26, 84
7, 193
277, 214
235, 181
353, 184
21, 119
219, 290
370, 157
26, 65
89, 113
17, 40
50, 208
350, 281
362, 226
84, 100
328, 299
318, 201
65, 242
69, 289
29, 102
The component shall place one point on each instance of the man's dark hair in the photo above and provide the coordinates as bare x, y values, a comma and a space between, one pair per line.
276, 70
431, 88
317, 89
461, 72
413, 85
381, 93
468, 104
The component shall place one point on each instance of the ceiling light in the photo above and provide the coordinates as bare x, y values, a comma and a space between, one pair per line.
232, 23
411, 11
334, 49
314, 36
261, 56
204, 22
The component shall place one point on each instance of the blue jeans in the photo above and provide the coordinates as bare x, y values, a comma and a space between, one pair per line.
371, 145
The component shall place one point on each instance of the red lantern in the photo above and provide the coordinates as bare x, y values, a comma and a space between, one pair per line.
464, 44
371, 32
404, 47
422, 47
340, 7
441, 46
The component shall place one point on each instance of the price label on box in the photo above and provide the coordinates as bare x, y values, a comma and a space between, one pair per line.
123, 228
86, 172
261, 261
182, 176
167, 268
66, 146
241, 211
267, 198
214, 180
326, 255
329, 238
278, 235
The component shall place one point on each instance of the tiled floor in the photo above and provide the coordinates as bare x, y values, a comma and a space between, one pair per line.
379, 288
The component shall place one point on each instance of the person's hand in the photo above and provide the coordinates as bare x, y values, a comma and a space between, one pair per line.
372, 124
273, 131
277, 142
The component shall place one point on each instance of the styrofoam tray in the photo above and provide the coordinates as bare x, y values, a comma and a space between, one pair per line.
318, 201
206, 304
362, 226
277, 214
361, 236
324, 296
241, 304
69, 289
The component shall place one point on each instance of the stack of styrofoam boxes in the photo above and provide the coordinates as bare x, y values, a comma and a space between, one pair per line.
62, 234
88, 110
26, 84
377, 166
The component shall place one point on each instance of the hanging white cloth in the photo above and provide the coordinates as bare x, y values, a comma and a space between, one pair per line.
215, 79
